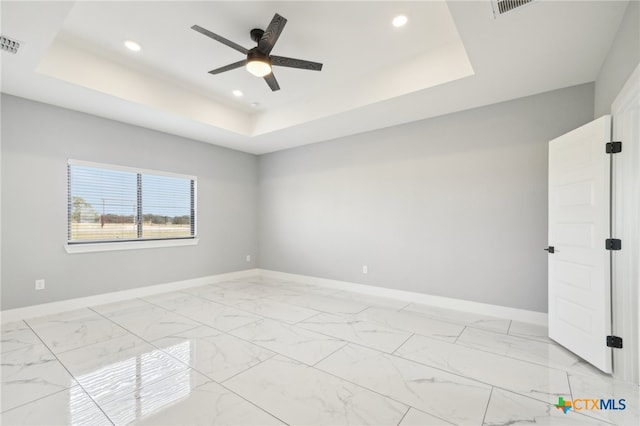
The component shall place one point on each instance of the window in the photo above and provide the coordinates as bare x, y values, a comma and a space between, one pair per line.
111, 203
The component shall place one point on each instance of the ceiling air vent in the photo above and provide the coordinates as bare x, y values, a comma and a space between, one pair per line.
9, 45
500, 7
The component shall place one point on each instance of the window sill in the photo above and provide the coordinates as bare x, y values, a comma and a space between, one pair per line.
128, 245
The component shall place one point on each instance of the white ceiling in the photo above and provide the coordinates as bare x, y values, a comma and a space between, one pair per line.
452, 55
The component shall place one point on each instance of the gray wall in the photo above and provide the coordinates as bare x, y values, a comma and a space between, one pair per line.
37, 139
622, 59
454, 206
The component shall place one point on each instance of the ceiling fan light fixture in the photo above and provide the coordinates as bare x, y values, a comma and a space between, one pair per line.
259, 61
259, 67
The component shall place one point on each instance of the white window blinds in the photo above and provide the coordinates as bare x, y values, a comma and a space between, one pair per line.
111, 203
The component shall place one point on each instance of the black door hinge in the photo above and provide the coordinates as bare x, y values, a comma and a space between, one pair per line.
613, 147
614, 342
613, 244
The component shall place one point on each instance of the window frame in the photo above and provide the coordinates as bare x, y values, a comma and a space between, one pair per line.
132, 243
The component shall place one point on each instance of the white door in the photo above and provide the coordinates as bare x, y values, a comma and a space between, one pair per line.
579, 221
625, 112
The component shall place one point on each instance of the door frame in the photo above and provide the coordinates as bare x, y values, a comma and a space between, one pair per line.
626, 226
579, 219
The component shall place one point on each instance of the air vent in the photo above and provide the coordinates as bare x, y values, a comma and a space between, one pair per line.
9, 45
500, 7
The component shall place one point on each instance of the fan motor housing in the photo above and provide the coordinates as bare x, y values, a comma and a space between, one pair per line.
256, 34
255, 54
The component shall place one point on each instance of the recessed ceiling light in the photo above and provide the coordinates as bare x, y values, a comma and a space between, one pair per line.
237, 93
132, 45
400, 21
255, 104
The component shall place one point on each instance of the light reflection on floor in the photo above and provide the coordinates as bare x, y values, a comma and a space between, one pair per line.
136, 398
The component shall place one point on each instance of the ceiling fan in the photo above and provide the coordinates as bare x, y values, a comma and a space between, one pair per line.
259, 61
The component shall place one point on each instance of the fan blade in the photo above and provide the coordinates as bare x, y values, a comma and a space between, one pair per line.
272, 82
281, 61
221, 39
229, 67
271, 34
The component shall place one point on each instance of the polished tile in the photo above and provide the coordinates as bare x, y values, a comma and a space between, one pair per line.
233, 284
261, 291
323, 303
277, 310
289, 340
370, 300
223, 295
215, 354
31, 373
172, 300
412, 322
119, 365
438, 393
17, 336
8, 327
536, 381
146, 320
357, 331
205, 311
507, 409
261, 351
465, 318
418, 418
534, 351
185, 398
298, 394
122, 307
530, 331
219, 316
68, 407
74, 329
299, 287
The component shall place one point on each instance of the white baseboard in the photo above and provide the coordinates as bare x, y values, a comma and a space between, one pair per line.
406, 296
18, 314
523, 315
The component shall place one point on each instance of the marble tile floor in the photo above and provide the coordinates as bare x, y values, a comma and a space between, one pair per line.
266, 352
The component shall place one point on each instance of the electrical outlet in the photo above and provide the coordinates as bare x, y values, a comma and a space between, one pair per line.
365, 269
248, 258
39, 284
